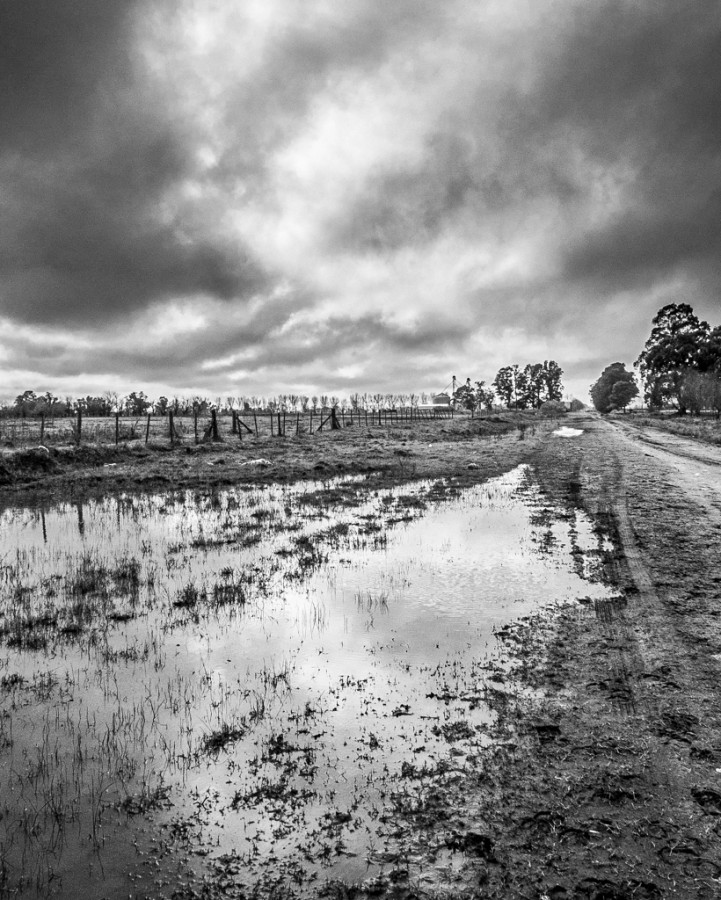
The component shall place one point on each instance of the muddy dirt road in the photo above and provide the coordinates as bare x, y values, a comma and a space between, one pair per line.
614, 787
605, 779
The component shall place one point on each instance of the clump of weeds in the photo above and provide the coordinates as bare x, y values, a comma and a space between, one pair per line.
146, 800
219, 739
189, 596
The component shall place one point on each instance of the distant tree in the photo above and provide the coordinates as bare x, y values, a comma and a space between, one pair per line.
552, 375
137, 404
535, 385
162, 406
504, 385
94, 406
484, 396
676, 344
622, 393
522, 397
602, 389
24, 403
465, 397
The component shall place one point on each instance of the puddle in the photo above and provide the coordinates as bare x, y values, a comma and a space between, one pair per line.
244, 681
565, 431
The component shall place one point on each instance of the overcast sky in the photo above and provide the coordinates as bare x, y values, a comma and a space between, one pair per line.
233, 197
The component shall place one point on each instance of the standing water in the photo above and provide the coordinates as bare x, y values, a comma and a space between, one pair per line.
240, 683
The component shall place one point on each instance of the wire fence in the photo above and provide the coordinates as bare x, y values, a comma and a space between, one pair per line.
170, 429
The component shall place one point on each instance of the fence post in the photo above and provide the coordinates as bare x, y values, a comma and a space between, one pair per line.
147, 430
80, 424
117, 428
297, 424
214, 424
310, 426
171, 428
42, 427
280, 430
195, 424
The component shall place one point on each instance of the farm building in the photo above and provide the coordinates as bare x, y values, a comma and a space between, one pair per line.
438, 402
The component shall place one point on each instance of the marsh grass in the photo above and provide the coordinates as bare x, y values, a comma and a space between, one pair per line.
187, 639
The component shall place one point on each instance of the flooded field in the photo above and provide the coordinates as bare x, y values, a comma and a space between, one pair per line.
249, 685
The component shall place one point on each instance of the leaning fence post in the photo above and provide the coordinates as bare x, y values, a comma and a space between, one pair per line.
147, 430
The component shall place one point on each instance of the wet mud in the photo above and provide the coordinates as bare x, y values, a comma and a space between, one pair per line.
578, 759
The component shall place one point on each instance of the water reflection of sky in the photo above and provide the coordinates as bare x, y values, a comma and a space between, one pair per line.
366, 641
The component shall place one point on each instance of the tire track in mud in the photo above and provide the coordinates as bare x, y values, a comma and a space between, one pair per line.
663, 508
629, 781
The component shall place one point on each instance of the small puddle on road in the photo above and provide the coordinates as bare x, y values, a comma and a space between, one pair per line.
239, 682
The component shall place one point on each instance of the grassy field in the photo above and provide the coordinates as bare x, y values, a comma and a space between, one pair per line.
700, 428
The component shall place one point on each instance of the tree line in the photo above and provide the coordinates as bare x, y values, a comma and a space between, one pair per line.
515, 388
137, 403
679, 366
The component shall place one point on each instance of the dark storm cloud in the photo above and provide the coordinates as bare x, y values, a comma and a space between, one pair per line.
637, 86
88, 158
454, 179
632, 89
55, 57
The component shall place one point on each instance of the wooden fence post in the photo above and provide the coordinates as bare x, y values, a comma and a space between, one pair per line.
147, 430
42, 427
80, 424
297, 424
117, 428
171, 428
214, 425
281, 431
310, 426
195, 424
272, 433
255, 420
